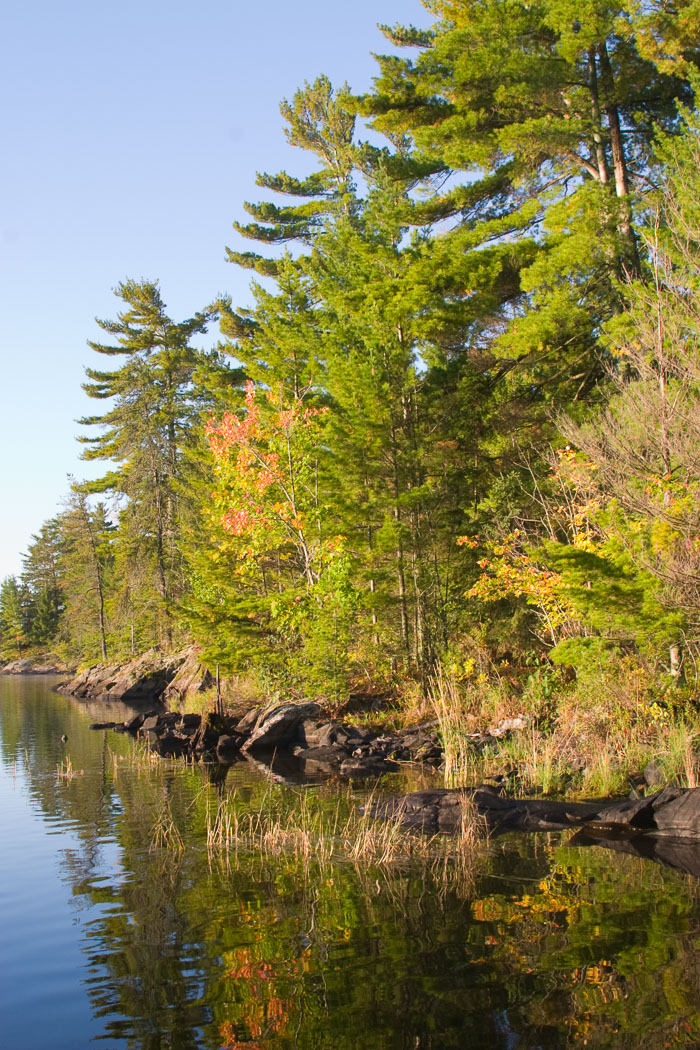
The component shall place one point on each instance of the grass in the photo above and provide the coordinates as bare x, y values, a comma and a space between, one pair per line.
597, 738
325, 831
166, 834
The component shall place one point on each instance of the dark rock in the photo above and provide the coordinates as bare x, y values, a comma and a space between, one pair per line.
318, 734
135, 723
191, 721
250, 720
149, 723
228, 743
279, 726
206, 737
367, 766
330, 755
673, 811
102, 725
169, 746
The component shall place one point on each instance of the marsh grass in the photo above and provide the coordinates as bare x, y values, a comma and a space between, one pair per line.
321, 832
599, 733
447, 703
166, 835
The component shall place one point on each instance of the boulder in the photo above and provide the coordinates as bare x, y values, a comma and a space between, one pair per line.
228, 743
360, 767
250, 720
279, 726
327, 756
191, 677
169, 746
145, 678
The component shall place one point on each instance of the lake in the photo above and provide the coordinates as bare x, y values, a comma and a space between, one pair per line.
124, 926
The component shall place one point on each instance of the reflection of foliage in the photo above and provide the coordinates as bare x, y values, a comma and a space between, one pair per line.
554, 945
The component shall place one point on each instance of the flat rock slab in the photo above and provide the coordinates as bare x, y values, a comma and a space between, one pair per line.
673, 811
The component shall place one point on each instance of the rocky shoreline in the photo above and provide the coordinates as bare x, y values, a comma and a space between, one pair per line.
673, 811
318, 744
31, 667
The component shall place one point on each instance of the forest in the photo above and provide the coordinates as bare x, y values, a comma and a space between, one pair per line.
456, 439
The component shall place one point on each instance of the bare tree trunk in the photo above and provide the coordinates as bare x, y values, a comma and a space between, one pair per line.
622, 188
601, 159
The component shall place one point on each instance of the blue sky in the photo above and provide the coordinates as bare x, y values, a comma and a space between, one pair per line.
131, 134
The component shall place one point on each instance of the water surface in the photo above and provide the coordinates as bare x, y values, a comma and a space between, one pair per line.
111, 936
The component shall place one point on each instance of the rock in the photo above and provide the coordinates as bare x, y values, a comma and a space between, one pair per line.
369, 766
102, 725
192, 677
151, 722
673, 811
228, 743
134, 724
250, 720
329, 755
169, 746
508, 725
318, 734
146, 677
27, 666
211, 728
279, 726
191, 721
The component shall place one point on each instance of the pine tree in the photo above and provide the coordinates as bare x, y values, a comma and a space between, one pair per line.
145, 433
14, 625
536, 122
41, 577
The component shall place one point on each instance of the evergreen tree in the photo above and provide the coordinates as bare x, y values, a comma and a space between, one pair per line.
87, 577
536, 122
41, 576
13, 617
154, 409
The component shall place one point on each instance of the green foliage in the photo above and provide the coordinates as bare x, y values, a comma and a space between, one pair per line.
446, 301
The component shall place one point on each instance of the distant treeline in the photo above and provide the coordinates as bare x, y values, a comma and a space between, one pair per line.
459, 431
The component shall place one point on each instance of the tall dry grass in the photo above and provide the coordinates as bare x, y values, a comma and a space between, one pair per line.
321, 832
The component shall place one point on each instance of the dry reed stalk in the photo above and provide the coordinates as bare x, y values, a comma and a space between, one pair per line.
447, 705
166, 834
65, 770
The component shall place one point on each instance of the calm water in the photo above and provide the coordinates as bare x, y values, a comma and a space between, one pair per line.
109, 937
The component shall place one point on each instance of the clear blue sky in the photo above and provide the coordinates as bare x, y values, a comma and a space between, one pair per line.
131, 134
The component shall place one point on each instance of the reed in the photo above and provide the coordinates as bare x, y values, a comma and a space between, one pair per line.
65, 771
166, 834
322, 832
449, 711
